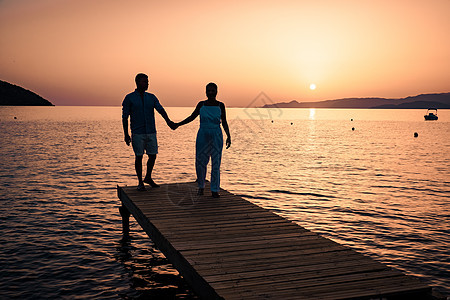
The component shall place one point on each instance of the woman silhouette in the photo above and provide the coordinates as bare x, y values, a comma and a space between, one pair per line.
209, 141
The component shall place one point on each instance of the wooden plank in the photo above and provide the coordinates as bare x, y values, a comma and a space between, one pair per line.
314, 261
309, 271
260, 252
303, 242
230, 248
307, 279
265, 258
355, 289
230, 242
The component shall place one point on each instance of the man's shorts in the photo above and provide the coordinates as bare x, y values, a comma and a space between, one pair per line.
145, 142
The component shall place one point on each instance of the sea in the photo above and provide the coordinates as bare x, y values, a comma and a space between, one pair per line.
377, 181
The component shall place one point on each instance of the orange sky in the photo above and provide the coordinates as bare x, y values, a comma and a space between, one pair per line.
87, 52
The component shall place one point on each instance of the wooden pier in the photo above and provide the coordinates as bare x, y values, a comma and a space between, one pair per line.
229, 248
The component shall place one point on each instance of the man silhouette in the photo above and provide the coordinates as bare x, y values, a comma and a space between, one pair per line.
140, 106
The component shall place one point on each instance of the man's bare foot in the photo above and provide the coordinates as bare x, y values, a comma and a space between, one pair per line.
151, 182
141, 188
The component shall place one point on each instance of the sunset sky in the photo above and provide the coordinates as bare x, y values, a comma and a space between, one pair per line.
87, 52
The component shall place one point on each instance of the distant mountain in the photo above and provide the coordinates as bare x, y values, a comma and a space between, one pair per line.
11, 94
423, 101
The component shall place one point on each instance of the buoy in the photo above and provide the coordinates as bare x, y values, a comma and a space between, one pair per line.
292, 123
416, 134
351, 119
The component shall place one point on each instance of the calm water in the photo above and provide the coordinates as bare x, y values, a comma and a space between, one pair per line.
375, 188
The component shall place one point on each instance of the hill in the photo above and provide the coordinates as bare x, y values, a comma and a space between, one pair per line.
11, 94
423, 101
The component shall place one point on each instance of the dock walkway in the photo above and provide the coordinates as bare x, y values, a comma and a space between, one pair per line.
230, 248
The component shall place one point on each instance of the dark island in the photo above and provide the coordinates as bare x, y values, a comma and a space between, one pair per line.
14, 95
423, 101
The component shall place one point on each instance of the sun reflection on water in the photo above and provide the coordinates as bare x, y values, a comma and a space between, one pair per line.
312, 113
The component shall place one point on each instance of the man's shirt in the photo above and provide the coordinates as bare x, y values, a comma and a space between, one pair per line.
141, 112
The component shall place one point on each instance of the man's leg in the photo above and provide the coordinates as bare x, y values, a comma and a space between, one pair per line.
151, 148
138, 167
150, 164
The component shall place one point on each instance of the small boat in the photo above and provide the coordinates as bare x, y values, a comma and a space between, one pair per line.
431, 114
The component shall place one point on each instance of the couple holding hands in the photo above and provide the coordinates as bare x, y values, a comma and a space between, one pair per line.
140, 107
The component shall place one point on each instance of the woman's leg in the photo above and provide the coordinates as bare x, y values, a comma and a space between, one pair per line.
216, 158
202, 153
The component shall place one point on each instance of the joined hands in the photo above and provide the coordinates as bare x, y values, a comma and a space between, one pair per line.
173, 125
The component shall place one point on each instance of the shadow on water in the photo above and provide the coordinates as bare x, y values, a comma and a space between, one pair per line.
150, 274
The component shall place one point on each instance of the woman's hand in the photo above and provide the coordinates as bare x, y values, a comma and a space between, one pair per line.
228, 142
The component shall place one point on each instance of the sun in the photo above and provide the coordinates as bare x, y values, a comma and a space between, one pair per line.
312, 86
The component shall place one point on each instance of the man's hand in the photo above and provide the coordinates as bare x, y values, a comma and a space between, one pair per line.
228, 142
127, 139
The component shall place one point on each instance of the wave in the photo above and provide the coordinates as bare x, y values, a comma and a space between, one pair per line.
254, 197
300, 193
